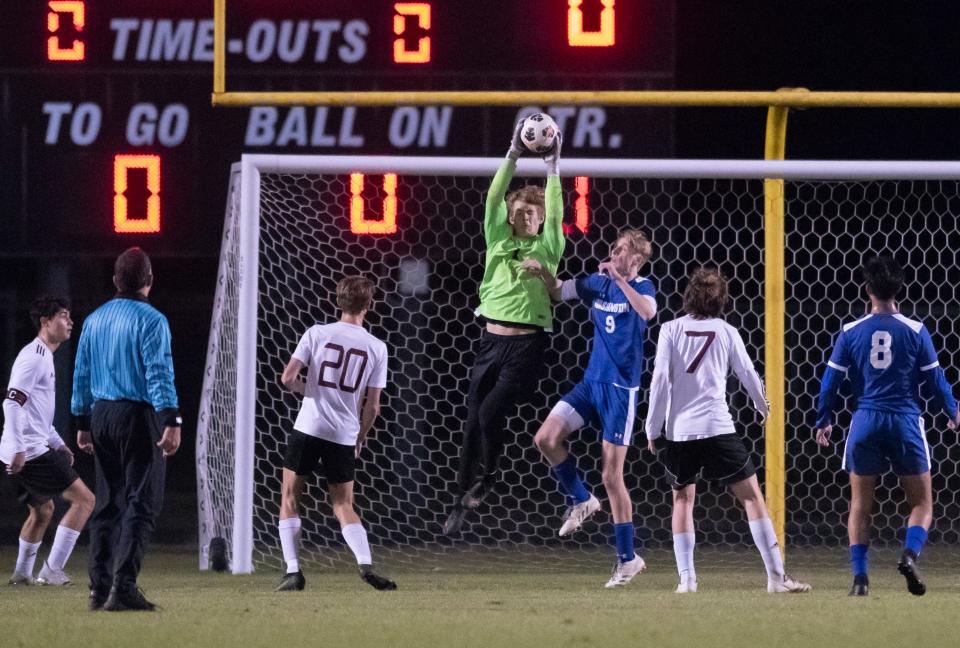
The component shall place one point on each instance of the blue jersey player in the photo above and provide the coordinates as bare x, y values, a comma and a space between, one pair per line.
886, 356
621, 302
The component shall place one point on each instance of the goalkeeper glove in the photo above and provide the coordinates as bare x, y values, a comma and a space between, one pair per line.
517, 146
552, 157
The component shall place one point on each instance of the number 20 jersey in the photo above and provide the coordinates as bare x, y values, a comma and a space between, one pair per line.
689, 385
342, 361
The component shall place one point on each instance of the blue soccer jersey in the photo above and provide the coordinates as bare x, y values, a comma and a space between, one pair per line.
618, 331
885, 357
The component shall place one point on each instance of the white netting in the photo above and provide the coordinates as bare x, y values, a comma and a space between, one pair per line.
404, 480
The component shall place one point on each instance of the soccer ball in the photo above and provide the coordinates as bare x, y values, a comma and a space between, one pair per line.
539, 132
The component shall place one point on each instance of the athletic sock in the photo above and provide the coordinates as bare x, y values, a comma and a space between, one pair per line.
683, 544
916, 538
766, 540
63, 543
289, 539
569, 480
27, 557
356, 537
858, 559
623, 538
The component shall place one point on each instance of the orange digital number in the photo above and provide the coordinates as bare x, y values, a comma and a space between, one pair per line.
400, 52
581, 209
579, 38
76, 9
122, 223
358, 222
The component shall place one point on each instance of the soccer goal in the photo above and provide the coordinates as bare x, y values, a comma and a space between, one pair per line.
295, 225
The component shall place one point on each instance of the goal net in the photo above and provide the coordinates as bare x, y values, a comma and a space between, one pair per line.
295, 225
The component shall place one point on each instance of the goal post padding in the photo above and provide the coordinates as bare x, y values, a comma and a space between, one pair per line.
287, 242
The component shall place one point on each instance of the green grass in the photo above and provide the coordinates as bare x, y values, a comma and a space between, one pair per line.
514, 606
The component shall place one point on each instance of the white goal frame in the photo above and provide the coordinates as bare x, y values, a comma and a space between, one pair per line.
252, 166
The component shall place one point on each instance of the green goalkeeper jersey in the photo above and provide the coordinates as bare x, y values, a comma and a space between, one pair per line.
507, 293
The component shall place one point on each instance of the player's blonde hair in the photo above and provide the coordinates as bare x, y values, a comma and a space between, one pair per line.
706, 293
355, 294
638, 243
530, 194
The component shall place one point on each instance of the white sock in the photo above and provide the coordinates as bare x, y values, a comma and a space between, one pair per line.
683, 544
289, 539
766, 540
27, 556
356, 537
62, 547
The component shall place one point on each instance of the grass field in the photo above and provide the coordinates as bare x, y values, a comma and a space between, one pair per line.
514, 606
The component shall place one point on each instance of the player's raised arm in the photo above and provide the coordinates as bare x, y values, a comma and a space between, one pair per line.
659, 399
553, 204
935, 380
743, 367
495, 224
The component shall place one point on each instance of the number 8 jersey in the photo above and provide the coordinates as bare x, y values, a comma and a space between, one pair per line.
342, 361
885, 357
689, 385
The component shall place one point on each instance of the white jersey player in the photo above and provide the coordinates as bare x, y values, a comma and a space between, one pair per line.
34, 454
346, 373
689, 392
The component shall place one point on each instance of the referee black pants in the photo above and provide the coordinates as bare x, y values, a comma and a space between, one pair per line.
130, 480
505, 373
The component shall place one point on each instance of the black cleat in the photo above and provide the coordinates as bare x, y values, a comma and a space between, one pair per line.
861, 585
454, 520
375, 581
122, 600
291, 582
475, 494
97, 600
908, 567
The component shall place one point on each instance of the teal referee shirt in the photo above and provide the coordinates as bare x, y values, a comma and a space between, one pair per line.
124, 354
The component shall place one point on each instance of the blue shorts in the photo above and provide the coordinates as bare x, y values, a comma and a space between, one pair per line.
614, 408
881, 440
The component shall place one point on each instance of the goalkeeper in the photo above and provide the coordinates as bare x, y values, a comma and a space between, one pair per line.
516, 312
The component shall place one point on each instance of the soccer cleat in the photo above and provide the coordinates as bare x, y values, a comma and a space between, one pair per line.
686, 585
577, 514
861, 585
49, 576
787, 585
127, 599
454, 520
375, 580
97, 600
623, 572
293, 582
475, 494
21, 579
908, 567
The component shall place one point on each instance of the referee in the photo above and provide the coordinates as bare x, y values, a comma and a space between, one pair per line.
125, 406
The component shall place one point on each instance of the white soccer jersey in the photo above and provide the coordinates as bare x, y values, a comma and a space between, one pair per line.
689, 385
28, 404
342, 361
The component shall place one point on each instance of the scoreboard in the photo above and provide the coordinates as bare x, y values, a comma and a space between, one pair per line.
110, 139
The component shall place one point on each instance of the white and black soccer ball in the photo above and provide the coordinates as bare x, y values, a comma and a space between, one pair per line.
539, 132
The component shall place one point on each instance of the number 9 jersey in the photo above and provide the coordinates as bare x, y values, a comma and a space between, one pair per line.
342, 361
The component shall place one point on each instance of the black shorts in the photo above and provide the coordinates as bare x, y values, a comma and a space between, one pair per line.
723, 459
44, 478
304, 453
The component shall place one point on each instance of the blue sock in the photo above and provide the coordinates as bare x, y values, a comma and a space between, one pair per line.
623, 538
569, 480
916, 538
858, 559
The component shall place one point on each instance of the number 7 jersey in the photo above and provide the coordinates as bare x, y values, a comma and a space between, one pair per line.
342, 360
689, 385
